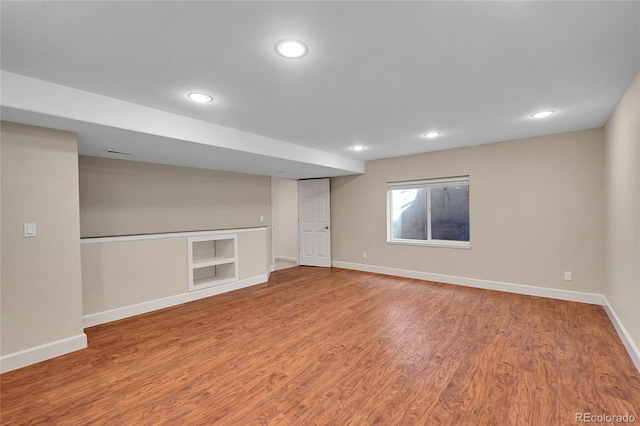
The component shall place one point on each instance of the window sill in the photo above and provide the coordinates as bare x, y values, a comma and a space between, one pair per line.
444, 244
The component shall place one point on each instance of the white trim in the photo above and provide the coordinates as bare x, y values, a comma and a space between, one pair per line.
427, 184
627, 341
315, 226
274, 221
553, 293
433, 243
168, 235
287, 258
213, 261
270, 270
178, 299
30, 356
410, 184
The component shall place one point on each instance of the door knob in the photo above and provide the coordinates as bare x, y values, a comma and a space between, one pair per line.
325, 227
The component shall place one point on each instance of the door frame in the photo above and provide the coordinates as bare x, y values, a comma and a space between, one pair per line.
316, 232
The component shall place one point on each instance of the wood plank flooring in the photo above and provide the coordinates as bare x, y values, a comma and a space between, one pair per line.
338, 347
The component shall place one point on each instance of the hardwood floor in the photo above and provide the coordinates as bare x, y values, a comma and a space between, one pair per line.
339, 347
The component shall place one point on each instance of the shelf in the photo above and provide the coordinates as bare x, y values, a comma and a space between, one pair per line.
202, 263
213, 260
210, 282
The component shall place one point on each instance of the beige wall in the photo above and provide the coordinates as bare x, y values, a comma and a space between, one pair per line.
622, 135
285, 222
120, 274
124, 273
120, 197
41, 284
536, 210
253, 254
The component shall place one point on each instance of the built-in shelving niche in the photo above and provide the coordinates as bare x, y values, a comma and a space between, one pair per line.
213, 260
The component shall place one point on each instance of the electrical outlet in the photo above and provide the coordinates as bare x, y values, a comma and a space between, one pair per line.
364, 254
567, 276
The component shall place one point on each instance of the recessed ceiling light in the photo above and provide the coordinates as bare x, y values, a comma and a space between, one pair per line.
431, 134
357, 148
543, 114
202, 98
291, 49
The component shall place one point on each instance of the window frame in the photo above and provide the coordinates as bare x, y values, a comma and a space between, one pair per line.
426, 184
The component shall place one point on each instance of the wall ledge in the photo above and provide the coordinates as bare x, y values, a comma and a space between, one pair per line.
143, 237
166, 302
30, 356
552, 293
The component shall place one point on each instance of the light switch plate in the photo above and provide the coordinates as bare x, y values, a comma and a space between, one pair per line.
29, 230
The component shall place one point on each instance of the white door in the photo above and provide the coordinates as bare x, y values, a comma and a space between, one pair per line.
314, 222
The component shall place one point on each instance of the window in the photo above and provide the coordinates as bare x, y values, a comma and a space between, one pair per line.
429, 212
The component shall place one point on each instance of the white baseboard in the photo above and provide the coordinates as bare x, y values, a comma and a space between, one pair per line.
178, 299
632, 349
572, 296
41, 353
553, 293
270, 270
287, 259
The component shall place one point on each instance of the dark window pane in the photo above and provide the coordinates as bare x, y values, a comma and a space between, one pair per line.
409, 214
450, 213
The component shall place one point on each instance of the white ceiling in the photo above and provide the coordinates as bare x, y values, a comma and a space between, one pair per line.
378, 74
